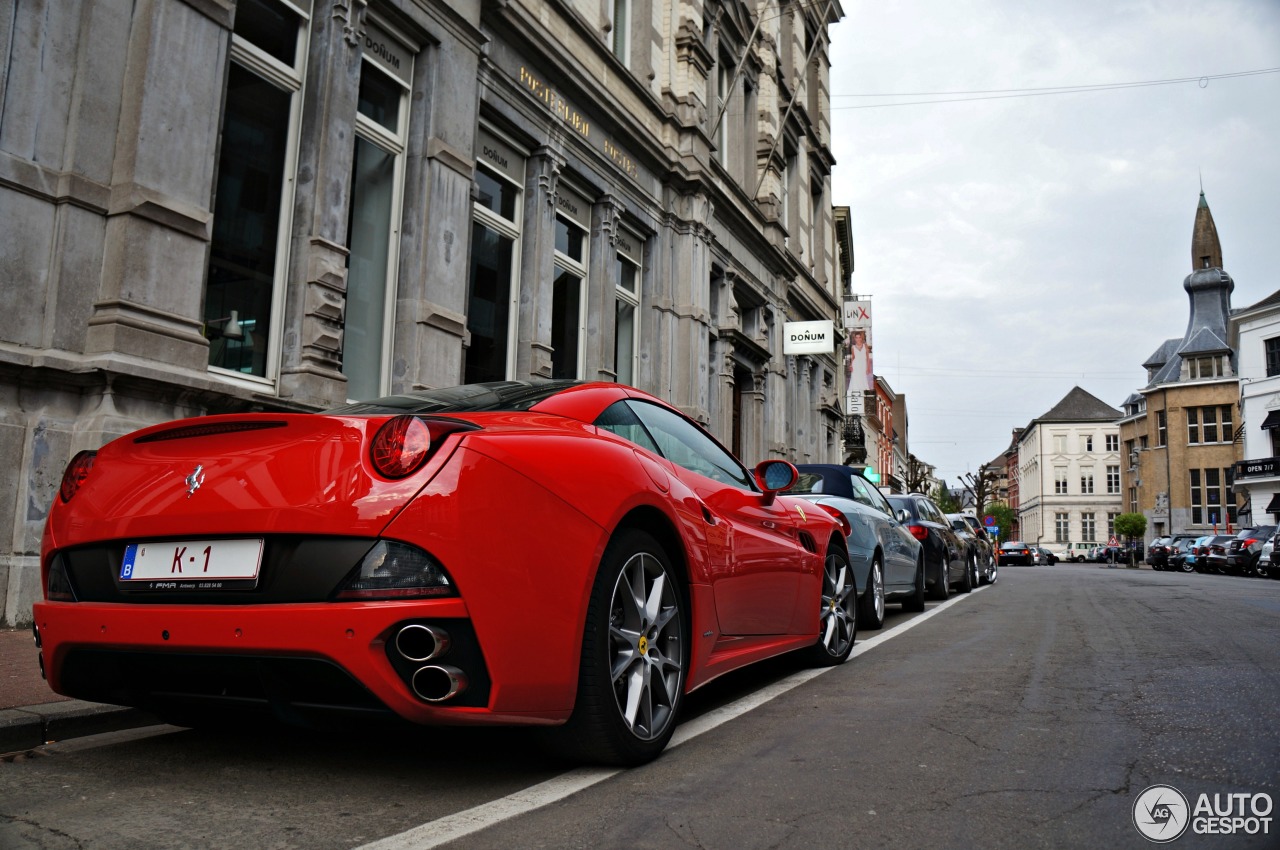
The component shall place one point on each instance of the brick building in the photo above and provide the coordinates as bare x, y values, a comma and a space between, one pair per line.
1178, 434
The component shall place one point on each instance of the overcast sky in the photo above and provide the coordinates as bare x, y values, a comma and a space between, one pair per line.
1016, 247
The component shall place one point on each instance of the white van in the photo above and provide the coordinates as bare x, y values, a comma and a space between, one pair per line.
1078, 552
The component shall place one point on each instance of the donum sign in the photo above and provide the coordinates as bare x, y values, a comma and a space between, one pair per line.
809, 337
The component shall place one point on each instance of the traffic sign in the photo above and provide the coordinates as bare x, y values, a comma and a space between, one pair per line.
1113, 541
988, 520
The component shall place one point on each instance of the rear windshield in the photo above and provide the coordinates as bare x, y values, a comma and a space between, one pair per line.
469, 398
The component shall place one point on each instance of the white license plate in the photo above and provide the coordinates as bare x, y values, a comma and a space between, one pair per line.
192, 560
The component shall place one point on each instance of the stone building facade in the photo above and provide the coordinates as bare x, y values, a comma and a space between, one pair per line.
224, 205
1179, 433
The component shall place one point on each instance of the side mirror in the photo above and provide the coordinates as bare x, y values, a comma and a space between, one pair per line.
775, 476
903, 516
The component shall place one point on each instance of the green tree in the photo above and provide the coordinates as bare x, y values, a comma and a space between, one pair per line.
1130, 526
943, 499
1004, 519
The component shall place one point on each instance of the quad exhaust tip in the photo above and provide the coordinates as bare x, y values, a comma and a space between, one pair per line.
417, 642
439, 682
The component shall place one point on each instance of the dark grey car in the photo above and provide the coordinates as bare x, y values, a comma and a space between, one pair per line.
945, 553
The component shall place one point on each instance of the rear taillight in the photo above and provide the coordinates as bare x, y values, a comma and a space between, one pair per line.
77, 471
845, 528
403, 444
919, 532
400, 447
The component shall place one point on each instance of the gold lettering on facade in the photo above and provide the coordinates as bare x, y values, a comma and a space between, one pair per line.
621, 160
555, 103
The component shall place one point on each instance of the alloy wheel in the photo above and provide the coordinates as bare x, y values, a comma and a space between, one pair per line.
646, 646
839, 607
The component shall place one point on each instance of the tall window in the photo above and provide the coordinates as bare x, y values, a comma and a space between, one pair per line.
1086, 480
1273, 355
1088, 528
1061, 528
1113, 442
568, 293
627, 316
495, 231
1197, 496
621, 23
1059, 480
1113, 479
1088, 443
1213, 495
248, 252
724, 79
1060, 444
1111, 523
373, 236
1162, 428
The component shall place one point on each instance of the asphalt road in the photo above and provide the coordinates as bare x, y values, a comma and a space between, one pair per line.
1028, 714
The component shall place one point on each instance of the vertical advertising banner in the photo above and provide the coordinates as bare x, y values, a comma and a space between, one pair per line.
857, 357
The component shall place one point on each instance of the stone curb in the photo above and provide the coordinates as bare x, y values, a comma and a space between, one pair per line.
28, 727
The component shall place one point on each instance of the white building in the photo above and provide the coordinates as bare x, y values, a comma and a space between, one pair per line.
1069, 473
1255, 335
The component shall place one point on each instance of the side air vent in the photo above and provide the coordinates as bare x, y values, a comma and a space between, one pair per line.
207, 430
807, 541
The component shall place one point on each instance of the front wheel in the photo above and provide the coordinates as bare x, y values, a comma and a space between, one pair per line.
838, 614
970, 575
634, 656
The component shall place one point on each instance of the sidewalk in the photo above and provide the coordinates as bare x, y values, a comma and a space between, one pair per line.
31, 714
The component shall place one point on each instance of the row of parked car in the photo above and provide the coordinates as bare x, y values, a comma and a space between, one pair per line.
1251, 552
903, 549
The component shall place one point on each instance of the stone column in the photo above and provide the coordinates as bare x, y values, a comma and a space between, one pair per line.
602, 283
537, 265
159, 215
431, 299
311, 355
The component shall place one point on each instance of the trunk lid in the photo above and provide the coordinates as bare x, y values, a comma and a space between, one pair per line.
238, 474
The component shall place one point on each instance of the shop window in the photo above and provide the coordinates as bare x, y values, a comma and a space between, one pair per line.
495, 233
568, 301
377, 186
248, 251
627, 315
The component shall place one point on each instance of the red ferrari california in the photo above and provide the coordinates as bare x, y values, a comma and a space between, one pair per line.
574, 556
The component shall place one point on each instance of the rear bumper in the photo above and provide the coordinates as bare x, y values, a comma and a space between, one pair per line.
291, 661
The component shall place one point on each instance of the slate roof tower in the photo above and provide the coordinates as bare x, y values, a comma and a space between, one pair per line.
1179, 433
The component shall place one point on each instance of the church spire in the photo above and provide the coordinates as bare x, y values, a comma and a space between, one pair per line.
1206, 251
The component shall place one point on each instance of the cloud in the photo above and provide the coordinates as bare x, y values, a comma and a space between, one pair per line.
1015, 247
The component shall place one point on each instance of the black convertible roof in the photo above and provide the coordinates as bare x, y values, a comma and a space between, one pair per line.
467, 398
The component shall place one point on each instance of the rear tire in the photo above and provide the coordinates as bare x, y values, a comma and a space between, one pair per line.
942, 587
871, 610
634, 657
915, 602
970, 575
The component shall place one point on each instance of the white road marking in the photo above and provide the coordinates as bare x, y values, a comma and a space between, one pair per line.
460, 824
